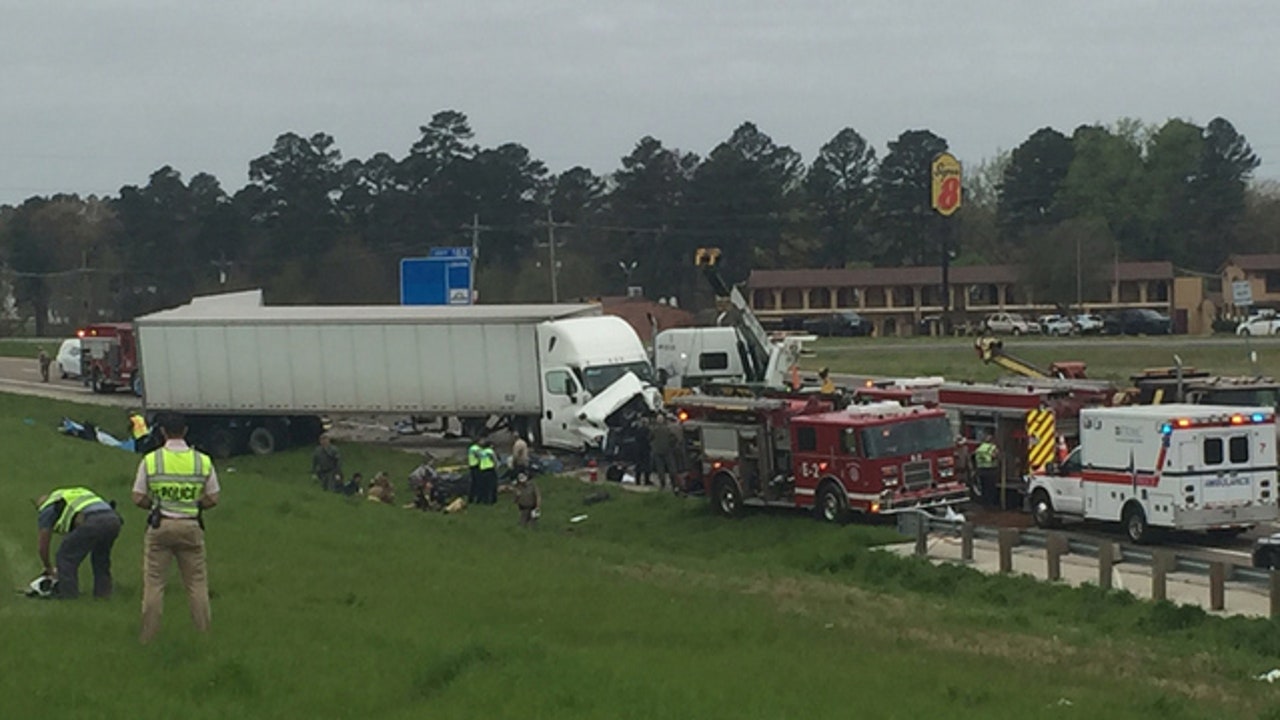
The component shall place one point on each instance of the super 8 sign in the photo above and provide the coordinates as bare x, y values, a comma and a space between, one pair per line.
945, 195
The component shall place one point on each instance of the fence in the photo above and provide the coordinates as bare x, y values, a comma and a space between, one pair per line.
1056, 544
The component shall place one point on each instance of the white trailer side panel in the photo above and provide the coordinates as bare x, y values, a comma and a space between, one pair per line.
342, 368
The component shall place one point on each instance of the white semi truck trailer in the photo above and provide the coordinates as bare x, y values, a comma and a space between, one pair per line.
258, 377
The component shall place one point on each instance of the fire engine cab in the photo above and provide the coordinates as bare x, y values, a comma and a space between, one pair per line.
1184, 467
792, 452
109, 357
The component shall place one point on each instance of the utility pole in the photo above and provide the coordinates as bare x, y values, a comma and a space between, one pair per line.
475, 252
1079, 284
551, 250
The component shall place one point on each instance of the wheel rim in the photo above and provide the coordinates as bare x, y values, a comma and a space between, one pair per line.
1135, 527
1042, 513
728, 500
830, 505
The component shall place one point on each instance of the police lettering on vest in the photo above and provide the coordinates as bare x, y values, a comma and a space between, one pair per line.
176, 479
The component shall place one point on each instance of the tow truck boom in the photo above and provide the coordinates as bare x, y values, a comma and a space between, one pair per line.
991, 351
765, 361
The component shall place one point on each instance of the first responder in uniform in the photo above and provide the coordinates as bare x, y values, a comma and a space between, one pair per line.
828, 386
987, 460
487, 465
139, 431
475, 493
91, 526
177, 484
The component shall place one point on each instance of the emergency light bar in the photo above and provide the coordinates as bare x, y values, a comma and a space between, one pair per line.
1237, 419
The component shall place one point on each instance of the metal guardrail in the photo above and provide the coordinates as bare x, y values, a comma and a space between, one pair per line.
921, 524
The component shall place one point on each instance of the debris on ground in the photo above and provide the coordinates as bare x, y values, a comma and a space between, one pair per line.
1269, 676
598, 496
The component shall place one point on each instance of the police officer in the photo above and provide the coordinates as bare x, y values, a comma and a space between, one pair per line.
987, 460
177, 484
91, 526
475, 492
487, 465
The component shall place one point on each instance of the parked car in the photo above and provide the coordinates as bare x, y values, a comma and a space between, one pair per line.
1056, 325
1008, 324
1137, 322
841, 324
1087, 324
68, 358
1263, 323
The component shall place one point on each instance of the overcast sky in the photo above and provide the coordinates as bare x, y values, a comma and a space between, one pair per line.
96, 94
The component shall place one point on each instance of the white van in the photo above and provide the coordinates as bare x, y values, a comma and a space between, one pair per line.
68, 358
1184, 467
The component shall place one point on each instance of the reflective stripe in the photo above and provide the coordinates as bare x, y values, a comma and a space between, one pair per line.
176, 479
75, 499
488, 459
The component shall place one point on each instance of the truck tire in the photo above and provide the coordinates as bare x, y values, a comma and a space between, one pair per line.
262, 441
136, 385
1042, 510
726, 498
1135, 524
220, 443
832, 505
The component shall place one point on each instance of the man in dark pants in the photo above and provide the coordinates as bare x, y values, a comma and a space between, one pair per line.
488, 466
475, 491
91, 526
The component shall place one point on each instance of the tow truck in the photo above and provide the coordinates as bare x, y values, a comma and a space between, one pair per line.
991, 351
1178, 466
741, 354
879, 458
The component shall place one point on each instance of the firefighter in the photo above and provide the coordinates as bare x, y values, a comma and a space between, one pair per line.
987, 460
90, 526
828, 387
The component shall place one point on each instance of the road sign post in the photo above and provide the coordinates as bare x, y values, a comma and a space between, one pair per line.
944, 196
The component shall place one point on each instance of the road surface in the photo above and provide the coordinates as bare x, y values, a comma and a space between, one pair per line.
22, 376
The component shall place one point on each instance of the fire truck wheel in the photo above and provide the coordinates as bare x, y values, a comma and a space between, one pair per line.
726, 498
1135, 524
832, 506
1042, 510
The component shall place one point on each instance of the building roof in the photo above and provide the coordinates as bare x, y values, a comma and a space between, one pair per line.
1264, 261
928, 275
247, 307
637, 311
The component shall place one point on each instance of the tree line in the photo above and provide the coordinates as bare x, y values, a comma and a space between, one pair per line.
313, 227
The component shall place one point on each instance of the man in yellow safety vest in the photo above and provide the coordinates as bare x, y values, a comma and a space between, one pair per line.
177, 484
475, 492
90, 526
487, 466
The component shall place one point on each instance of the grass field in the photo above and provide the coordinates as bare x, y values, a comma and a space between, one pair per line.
652, 608
1107, 358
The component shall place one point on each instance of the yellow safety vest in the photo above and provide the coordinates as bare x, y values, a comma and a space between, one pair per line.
488, 459
473, 455
985, 455
76, 499
176, 479
138, 424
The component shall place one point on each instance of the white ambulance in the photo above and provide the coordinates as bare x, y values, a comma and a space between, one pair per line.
1185, 467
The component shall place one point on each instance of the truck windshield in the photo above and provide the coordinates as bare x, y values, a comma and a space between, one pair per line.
906, 438
596, 379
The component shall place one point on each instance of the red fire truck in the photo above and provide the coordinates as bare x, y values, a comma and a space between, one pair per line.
109, 357
792, 452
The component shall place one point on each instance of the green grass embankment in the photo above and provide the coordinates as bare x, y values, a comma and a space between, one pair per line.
652, 608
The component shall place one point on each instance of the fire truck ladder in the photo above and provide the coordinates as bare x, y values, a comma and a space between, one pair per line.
760, 357
991, 351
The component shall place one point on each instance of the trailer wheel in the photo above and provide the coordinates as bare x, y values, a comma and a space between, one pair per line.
1135, 524
136, 385
262, 441
832, 506
725, 497
220, 443
1042, 510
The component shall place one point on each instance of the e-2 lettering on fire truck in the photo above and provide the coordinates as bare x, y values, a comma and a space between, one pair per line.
109, 357
1183, 467
793, 452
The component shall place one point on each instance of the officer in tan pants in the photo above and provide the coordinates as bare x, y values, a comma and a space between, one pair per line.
177, 484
